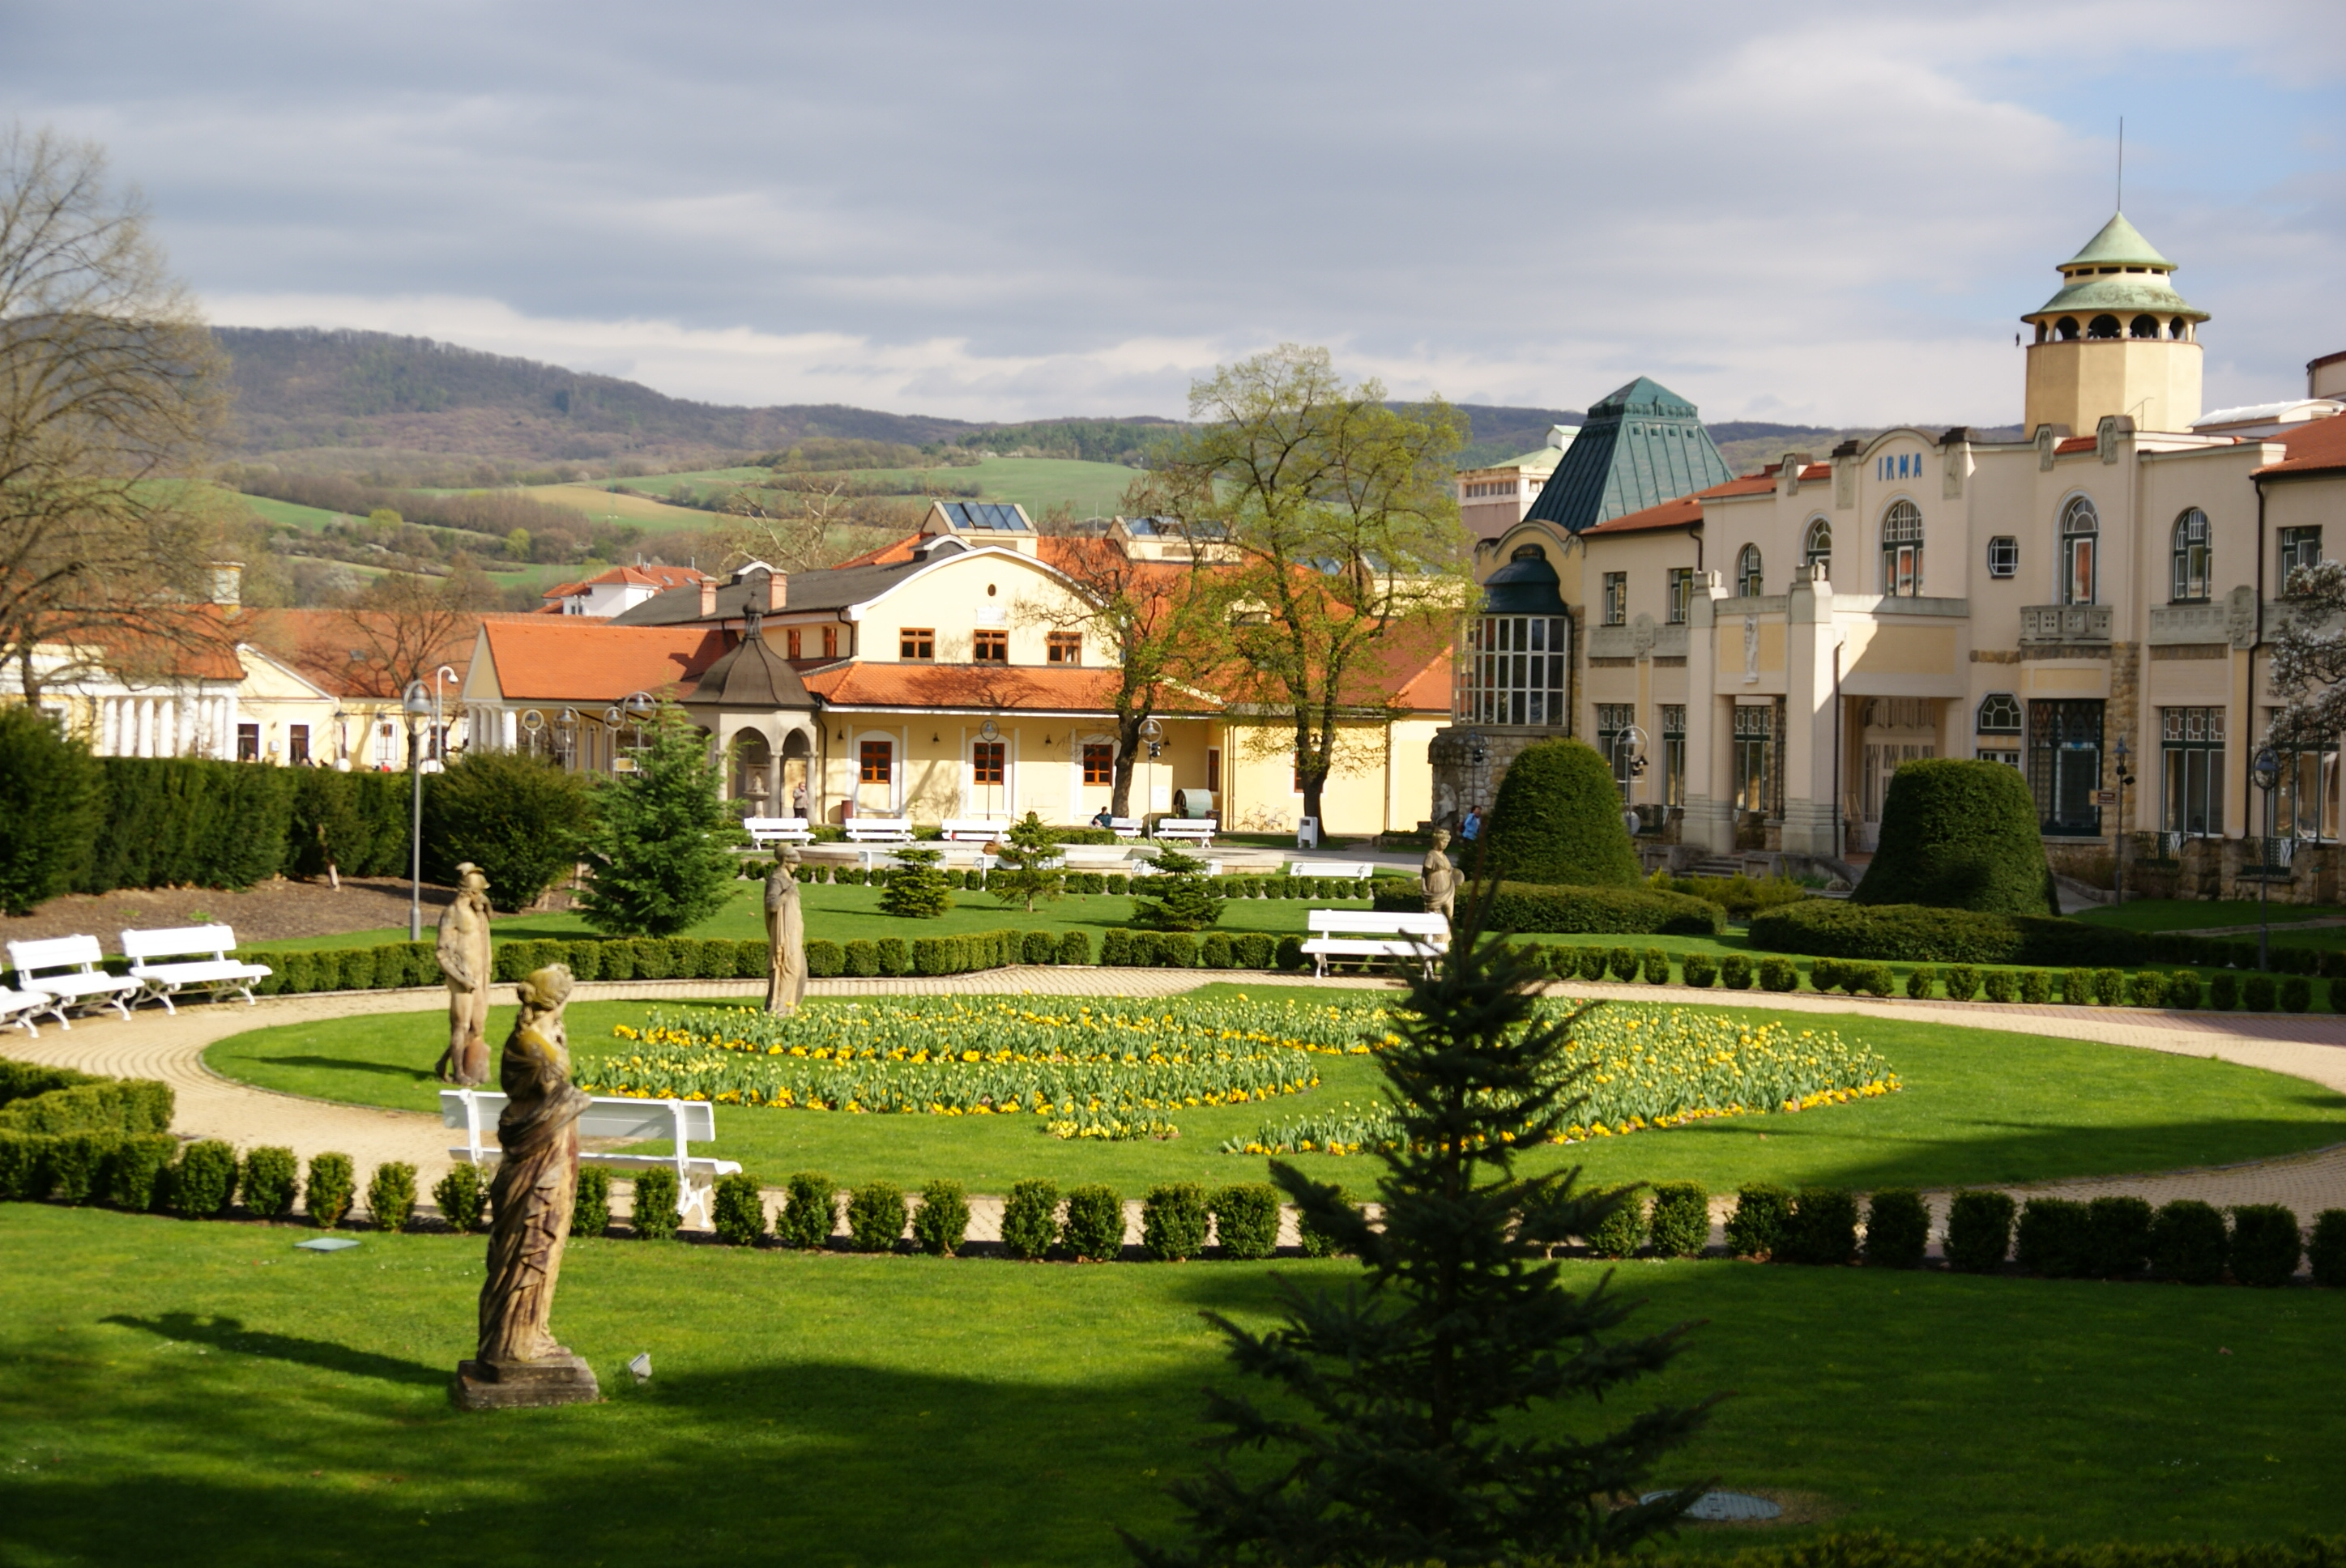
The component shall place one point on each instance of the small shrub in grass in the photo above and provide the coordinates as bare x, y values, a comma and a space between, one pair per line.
942, 1224
896, 955
1657, 967
2076, 987
205, 1179
2183, 990
1678, 1225
2117, 1238
825, 959
1735, 971
462, 1196
875, 1216
1822, 1230
136, 1171
2053, 1239
2109, 987
651, 1211
333, 1183
1623, 1229
809, 1211
1215, 950
391, 1195
1095, 1225
1172, 1222
1920, 981
1252, 949
1623, 962
2338, 996
2036, 987
1979, 1231
1701, 970
2327, 1250
2224, 990
76, 1162
862, 957
2266, 1246
736, 1210
2296, 993
2000, 985
590, 1211
1756, 1227
271, 1181
1291, 953
2148, 989
1316, 1242
2188, 1242
1963, 982
1076, 947
1778, 974
1592, 963
1030, 1222
1245, 1219
1897, 1229
2256, 993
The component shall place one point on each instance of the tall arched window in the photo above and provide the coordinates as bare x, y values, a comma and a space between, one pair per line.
2102, 327
2192, 574
2081, 532
1902, 550
2065, 329
1816, 549
1747, 572
2143, 326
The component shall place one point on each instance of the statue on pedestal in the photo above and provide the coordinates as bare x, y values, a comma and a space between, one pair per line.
785, 935
464, 955
1440, 878
518, 1362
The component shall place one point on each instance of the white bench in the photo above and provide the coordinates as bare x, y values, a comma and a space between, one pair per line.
878, 829
217, 972
978, 828
1344, 933
18, 1008
1350, 871
765, 832
1191, 830
1124, 826
73, 976
679, 1121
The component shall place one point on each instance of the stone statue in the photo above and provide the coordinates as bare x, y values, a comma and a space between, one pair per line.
464, 955
536, 1183
785, 935
1441, 878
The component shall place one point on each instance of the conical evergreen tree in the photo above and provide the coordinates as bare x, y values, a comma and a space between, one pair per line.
1413, 1448
660, 859
916, 886
1025, 868
1185, 898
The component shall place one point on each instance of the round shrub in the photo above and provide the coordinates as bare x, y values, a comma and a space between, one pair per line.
1041, 947
2183, 990
2118, 1237
1822, 1230
1979, 1231
1735, 971
2265, 1245
2296, 993
205, 1179
2256, 993
1245, 1219
2224, 990
391, 1195
1076, 947
2188, 1242
1558, 818
1920, 981
736, 1210
1623, 962
333, 1184
651, 1209
2000, 985
1656, 966
941, 1223
1622, 1229
809, 1211
2053, 1238
1959, 835
1897, 1229
2035, 987
1700, 970
520, 818
875, 1216
2076, 988
1316, 1242
271, 1181
1963, 982
1778, 974
51, 804
461, 1197
1094, 1223
591, 1211
1173, 1221
1030, 1222
1756, 1227
1679, 1223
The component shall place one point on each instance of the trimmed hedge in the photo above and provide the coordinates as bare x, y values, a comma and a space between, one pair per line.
1557, 820
1959, 835
1914, 933
1555, 909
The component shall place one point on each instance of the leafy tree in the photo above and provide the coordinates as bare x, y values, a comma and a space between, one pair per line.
1557, 820
1959, 834
1405, 1421
1339, 518
1185, 898
520, 818
50, 807
916, 888
1024, 869
657, 859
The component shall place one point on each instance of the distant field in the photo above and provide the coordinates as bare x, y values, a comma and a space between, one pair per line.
286, 514
602, 506
1037, 483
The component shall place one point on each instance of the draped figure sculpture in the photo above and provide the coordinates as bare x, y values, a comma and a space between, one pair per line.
519, 1361
464, 955
1440, 879
785, 935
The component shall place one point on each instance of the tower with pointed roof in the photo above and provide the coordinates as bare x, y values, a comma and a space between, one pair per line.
2115, 340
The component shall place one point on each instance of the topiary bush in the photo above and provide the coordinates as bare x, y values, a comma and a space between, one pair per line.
1735, 971
2296, 993
391, 1195
2184, 991
1897, 1229
1920, 981
2223, 990
1030, 1222
1756, 1227
1314, 1241
1962, 835
327, 1195
1623, 962
1656, 966
1778, 974
1700, 970
941, 1223
736, 1210
1557, 820
1821, 1231
204, 1180
2053, 1238
1173, 1221
2326, 1251
875, 1216
463, 1197
809, 1211
1076, 947
1245, 1219
271, 1181
2188, 1242
591, 1211
135, 1172
2000, 985
1962, 982
1678, 1225
651, 1206
1094, 1223
1979, 1231
2117, 1238
2266, 1245
2256, 993
1622, 1229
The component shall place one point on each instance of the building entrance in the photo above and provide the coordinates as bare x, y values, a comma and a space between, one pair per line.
1892, 732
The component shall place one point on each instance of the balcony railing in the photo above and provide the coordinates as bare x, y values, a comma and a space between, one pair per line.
2065, 624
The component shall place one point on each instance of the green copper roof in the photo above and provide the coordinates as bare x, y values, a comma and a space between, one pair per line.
1643, 445
2121, 294
2120, 242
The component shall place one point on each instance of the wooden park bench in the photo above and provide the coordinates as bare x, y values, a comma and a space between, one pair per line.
682, 1122
1191, 830
68, 969
1347, 933
765, 832
214, 970
878, 829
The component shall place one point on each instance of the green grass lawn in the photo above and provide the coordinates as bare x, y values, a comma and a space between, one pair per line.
202, 1393
1979, 1106
287, 515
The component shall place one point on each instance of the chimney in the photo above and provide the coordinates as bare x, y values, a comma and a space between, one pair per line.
778, 592
228, 583
707, 597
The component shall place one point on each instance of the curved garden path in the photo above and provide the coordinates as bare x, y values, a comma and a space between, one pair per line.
152, 1045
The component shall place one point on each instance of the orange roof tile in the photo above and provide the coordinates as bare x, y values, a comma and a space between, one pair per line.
571, 660
2318, 447
1685, 511
866, 684
887, 555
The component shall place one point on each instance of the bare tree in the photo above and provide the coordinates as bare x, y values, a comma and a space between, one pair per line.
2309, 660
401, 629
111, 396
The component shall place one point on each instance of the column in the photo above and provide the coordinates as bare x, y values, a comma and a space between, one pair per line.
1809, 639
145, 707
1710, 788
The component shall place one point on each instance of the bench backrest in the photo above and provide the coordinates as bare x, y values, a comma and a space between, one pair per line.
54, 952
1359, 922
215, 940
605, 1116
774, 824
1124, 822
1351, 870
1185, 826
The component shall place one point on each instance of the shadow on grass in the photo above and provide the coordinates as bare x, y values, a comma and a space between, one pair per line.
349, 1064
230, 1334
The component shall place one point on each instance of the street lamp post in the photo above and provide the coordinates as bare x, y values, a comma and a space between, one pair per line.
2265, 774
1630, 744
2122, 754
417, 703
1153, 734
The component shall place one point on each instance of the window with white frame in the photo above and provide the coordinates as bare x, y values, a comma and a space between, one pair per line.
1747, 572
2192, 574
1902, 550
1999, 729
1816, 546
1617, 598
2004, 556
2081, 538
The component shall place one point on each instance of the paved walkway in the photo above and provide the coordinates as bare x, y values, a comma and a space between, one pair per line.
151, 1044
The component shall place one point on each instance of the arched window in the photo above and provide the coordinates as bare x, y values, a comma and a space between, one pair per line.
2191, 570
1999, 714
1747, 572
2081, 532
2102, 327
2143, 326
1816, 549
2178, 328
2067, 328
1902, 550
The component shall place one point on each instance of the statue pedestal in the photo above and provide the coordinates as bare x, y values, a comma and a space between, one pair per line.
565, 1379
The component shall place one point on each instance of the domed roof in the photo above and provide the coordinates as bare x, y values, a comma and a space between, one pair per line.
2120, 242
1526, 586
2118, 273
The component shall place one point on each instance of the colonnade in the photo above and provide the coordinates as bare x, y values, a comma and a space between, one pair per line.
171, 726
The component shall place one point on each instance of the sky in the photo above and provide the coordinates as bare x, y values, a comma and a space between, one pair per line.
1813, 213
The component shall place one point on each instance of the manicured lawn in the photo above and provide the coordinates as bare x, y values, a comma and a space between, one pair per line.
202, 1393
1978, 1106
2194, 914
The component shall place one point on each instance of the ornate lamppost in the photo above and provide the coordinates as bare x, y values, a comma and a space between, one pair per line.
2122, 754
2265, 771
417, 705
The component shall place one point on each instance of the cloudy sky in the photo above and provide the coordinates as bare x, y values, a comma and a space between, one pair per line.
1820, 212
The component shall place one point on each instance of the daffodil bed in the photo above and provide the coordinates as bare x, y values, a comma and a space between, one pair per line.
1640, 1067
1089, 1069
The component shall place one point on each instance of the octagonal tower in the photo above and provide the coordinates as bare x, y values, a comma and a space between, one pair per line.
2116, 339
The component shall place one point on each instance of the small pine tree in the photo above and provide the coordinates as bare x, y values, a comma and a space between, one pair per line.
660, 860
1185, 898
1403, 1400
916, 889
1023, 871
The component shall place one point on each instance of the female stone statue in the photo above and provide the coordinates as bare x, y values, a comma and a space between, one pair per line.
1440, 879
785, 934
463, 955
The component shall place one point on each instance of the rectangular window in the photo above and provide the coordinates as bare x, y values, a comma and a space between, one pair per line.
2064, 765
2192, 765
791, 641
1674, 754
1099, 764
297, 743
248, 743
2298, 547
916, 642
1513, 672
831, 642
1755, 756
990, 647
1614, 719
985, 761
878, 758
1213, 770
1617, 598
1681, 593
2003, 555
1064, 648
